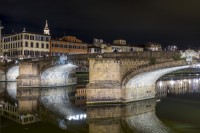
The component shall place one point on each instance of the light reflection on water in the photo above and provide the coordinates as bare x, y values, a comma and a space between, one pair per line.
179, 107
55, 108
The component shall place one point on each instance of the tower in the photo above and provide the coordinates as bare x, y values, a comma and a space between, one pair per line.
46, 29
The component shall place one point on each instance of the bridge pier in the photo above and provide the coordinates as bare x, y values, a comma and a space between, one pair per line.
104, 81
28, 75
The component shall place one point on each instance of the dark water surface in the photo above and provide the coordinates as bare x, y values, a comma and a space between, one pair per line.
61, 109
181, 113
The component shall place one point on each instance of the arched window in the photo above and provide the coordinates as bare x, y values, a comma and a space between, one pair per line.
37, 45
26, 44
42, 45
31, 44
47, 45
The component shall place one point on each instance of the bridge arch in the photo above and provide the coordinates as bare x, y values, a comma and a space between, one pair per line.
58, 75
2, 75
12, 73
142, 85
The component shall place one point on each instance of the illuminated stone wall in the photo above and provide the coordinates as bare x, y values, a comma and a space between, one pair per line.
28, 75
125, 80
58, 76
104, 69
142, 85
12, 73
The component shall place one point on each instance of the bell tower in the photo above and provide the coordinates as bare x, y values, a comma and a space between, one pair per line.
46, 29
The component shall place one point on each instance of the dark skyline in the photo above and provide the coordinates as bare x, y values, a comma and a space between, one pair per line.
137, 21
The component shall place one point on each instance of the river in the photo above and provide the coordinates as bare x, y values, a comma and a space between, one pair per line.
59, 109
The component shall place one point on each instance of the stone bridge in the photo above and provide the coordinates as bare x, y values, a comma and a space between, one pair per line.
111, 74
121, 80
40, 72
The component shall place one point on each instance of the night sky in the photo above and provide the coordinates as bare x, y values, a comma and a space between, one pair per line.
169, 22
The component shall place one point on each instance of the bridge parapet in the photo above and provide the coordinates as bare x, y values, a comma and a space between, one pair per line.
126, 55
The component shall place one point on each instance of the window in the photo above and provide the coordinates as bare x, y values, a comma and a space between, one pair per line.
31, 37
37, 38
47, 45
26, 36
42, 38
42, 45
47, 39
31, 44
37, 45
26, 44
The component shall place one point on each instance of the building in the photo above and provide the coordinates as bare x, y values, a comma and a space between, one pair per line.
121, 46
80, 97
171, 48
118, 46
98, 46
119, 42
26, 44
67, 45
151, 46
94, 49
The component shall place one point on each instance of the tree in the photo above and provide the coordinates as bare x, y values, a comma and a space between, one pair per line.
152, 61
176, 57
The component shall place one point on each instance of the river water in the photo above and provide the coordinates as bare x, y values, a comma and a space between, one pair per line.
62, 109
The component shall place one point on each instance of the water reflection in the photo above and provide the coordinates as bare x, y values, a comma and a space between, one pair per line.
134, 117
59, 102
57, 106
178, 85
180, 107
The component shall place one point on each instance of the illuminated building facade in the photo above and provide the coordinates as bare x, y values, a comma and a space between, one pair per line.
121, 46
26, 44
153, 46
117, 46
67, 45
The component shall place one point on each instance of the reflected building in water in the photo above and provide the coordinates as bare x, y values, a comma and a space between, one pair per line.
179, 85
19, 109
